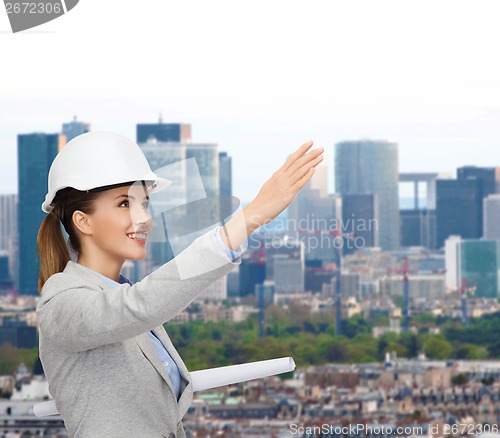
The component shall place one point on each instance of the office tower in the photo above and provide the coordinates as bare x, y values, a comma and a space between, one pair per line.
316, 276
13, 252
319, 181
75, 128
8, 232
288, 273
473, 264
18, 334
364, 167
207, 160
163, 132
35, 153
309, 214
418, 223
491, 217
313, 208
489, 183
8, 219
252, 273
489, 177
287, 246
5, 277
225, 185
458, 209
360, 219
451, 251
418, 228
311, 211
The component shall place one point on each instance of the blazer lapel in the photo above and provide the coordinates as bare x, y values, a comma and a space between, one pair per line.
186, 396
148, 350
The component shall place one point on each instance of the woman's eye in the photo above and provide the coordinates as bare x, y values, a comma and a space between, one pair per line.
145, 204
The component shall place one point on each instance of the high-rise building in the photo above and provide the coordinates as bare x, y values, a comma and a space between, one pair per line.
225, 184
8, 219
360, 219
252, 273
489, 177
8, 231
371, 167
74, 129
163, 132
489, 183
418, 223
491, 217
472, 263
35, 153
458, 209
288, 273
418, 228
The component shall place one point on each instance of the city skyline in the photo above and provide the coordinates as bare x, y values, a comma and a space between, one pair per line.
10, 168
329, 72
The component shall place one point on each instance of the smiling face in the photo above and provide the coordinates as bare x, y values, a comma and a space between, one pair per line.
106, 234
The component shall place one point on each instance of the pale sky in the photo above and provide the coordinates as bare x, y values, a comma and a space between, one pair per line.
260, 78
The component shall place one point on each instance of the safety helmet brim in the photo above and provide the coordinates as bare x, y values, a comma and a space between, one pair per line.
157, 184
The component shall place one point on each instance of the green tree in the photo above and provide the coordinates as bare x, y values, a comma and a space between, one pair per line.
436, 347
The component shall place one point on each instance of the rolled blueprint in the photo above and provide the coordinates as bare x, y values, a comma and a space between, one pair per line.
214, 377
210, 378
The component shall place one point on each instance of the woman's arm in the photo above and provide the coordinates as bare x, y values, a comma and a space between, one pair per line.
276, 194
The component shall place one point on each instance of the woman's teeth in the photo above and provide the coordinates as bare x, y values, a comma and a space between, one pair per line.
138, 236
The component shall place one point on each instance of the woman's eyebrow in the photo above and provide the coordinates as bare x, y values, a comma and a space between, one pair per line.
131, 197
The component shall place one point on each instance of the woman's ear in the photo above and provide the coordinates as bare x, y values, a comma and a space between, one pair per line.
81, 222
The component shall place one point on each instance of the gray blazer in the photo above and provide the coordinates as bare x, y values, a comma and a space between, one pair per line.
103, 372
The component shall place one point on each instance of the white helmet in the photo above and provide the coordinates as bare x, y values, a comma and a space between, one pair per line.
98, 159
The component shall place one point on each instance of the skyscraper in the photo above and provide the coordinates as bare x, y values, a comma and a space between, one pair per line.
8, 232
162, 132
489, 183
489, 177
35, 153
74, 128
360, 218
225, 184
491, 217
371, 167
458, 209
476, 262
418, 223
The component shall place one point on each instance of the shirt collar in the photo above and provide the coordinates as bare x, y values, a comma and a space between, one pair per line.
109, 281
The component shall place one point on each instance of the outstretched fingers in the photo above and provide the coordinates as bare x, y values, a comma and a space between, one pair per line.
303, 180
296, 155
298, 169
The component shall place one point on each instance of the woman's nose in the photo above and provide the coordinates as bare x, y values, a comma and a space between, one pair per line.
140, 215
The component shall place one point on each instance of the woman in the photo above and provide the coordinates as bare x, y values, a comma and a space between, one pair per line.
110, 364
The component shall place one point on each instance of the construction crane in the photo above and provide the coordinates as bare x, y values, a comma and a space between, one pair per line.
406, 292
338, 282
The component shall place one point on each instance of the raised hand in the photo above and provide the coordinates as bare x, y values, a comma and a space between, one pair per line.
276, 194
280, 190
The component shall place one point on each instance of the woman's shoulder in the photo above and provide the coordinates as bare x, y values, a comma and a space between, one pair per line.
69, 278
